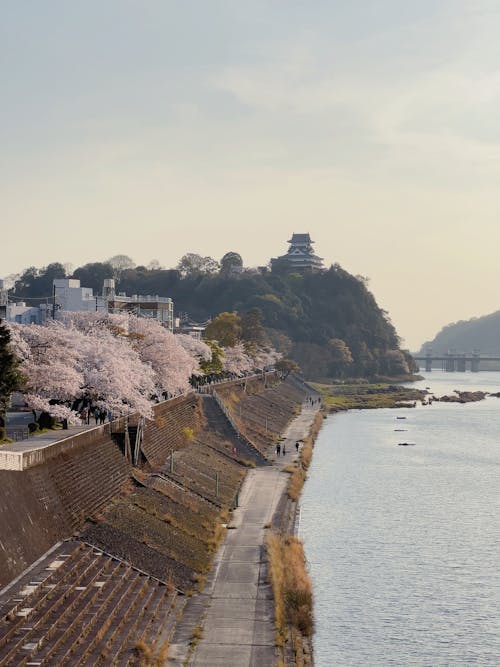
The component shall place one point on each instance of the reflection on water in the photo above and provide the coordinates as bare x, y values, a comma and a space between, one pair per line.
404, 542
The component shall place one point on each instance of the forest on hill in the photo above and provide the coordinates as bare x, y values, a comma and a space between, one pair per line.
328, 321
482, 333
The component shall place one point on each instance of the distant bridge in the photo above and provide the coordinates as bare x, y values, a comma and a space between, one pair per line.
455, 362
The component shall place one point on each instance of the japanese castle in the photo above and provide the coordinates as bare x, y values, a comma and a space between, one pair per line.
300, 255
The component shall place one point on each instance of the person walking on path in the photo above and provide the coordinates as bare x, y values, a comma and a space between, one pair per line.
284, 449
83, 416
96, 415
278, 449
297, 445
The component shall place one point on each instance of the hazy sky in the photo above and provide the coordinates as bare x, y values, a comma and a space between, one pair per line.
153, 128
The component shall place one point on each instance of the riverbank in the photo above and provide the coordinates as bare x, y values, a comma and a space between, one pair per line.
292, 588
401, 540
364, 396
231, 621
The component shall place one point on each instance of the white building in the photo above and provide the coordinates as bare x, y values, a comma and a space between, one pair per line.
68, 295
18, 311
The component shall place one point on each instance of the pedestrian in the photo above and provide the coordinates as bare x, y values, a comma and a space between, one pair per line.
278, 449
297, 445
96, 415
110, 416
83, 416
102, 416
284, 449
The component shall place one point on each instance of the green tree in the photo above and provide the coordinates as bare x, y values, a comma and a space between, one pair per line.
10, 376
341, 357
231, 261
287, 366
225, 329
193, 264
214, 364
120, 263
252, 331
37, 283
93, 275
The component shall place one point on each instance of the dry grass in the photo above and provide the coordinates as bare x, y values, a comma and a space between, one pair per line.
291, 586
277, 578
147, 655
216, 538
299, 473
144, 652
162, 655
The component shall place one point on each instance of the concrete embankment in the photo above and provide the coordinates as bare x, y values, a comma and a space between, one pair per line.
151, 515
232, 622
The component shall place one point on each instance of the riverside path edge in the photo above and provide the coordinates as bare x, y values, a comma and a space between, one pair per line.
231, 622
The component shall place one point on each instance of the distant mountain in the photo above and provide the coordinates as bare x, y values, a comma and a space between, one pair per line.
481, 333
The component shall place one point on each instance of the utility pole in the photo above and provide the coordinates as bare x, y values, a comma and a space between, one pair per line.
53, 302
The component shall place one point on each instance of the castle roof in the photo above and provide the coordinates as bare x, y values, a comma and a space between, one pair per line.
300, 239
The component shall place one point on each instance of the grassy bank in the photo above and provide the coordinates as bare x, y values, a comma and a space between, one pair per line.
288, 576
299, 469
292, 591
362, 396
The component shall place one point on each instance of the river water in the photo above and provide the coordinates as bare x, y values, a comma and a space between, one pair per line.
403, 543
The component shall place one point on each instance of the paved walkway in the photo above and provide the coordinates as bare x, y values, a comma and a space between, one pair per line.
238, 626
20, 448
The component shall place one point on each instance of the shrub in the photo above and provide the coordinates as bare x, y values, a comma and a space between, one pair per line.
3, 433
188, 434
46, 421
32, 427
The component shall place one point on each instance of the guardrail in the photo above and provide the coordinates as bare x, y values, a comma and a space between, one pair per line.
19, 434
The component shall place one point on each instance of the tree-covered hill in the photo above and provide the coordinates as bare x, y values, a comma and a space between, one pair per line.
482, 333
328, 321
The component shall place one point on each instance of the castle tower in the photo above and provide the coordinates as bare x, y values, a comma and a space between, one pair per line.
300, 255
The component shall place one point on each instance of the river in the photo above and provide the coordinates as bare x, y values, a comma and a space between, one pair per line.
403, 543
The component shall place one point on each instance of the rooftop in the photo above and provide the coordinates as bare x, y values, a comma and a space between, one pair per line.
300, 239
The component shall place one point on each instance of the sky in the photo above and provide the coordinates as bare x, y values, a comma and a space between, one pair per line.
153, 128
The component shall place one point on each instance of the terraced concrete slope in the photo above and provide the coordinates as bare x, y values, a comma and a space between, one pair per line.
137, 536
49, 502
79, 606
262, 408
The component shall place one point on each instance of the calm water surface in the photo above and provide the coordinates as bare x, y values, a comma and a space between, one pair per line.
403, 543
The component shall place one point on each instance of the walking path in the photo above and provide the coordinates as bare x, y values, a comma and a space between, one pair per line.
236, 603
23, 454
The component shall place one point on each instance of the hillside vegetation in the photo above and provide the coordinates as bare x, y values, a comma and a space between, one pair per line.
329, 322
482, 333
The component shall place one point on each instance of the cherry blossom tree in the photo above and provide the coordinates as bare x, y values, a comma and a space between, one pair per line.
157, 347
118, 362
196, 348
50, 356
114, 375
264, 357
236, 360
